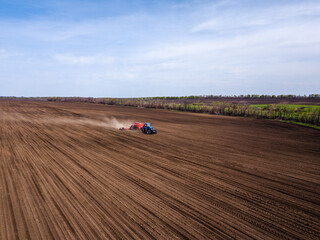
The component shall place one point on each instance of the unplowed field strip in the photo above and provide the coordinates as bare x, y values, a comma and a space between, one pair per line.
66, 172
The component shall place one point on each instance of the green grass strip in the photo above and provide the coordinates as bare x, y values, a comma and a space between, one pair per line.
302, 124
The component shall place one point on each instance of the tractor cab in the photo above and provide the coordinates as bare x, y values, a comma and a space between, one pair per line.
148, 129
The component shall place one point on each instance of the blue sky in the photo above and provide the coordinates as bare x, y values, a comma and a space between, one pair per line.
159, 48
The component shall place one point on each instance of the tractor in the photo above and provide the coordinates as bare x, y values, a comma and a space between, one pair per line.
148, 129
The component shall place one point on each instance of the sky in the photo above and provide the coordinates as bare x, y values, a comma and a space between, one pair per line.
125, 48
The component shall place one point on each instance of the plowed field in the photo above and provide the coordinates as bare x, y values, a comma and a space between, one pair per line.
66, 172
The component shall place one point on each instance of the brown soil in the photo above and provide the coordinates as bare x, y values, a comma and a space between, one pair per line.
66, 173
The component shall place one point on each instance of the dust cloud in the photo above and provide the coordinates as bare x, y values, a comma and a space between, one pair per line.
107, 122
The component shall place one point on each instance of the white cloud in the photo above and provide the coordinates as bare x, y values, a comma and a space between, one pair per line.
6, 54
71, 59
275, 40
219, 47
246, 17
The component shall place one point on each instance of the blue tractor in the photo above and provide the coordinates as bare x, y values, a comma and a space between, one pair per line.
148, 129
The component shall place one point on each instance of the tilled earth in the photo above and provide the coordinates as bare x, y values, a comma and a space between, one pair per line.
66, 172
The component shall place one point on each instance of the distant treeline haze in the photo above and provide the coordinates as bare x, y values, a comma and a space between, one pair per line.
304, 109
